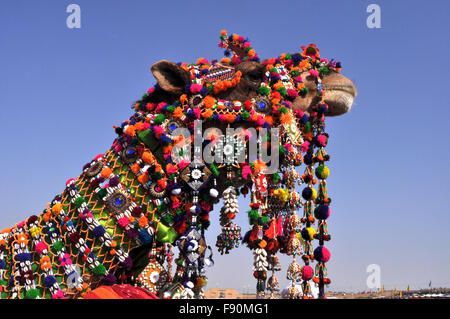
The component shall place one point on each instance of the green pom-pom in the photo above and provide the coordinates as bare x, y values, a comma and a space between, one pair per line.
99, 270
229, 183
171, 109
294, 74
32, 294
281, 150
162, 208
322, 172
253, 216
263, 220
283, 110
168, 219
276, 177
324, 70
245, 115
282, 90
102, 193
79, 201
307, 127
56, 247
264, 90
159, 119
304, 91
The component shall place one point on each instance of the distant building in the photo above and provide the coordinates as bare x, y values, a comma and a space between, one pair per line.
223, 293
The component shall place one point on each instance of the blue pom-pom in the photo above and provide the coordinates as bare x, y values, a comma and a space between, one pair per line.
145, 237
164, 139
99, 231
23, 257
296, 58
49, 281
322, 212
2, 264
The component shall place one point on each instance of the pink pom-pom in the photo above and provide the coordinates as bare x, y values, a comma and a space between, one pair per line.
298, 78
197, 112
314, 73
236, 60
222, 117
158, 130
99, 156
151, 90
160, 106
304, 147
183, 164
307, 273
176, 204
70, 182
195, 88
123, 222
322, 140
246, 171
299, 113
260, 121
58, 295
292, 93
145, 126
171, 169
40, 247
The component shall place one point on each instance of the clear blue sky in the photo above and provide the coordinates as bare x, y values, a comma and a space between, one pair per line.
61, 90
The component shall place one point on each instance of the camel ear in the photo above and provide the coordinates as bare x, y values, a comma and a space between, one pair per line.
170, 76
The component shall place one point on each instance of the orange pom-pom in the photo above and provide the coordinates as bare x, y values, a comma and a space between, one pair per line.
143, 178
143, 221
147, 157
178, 112
56, 209
106, 172
207, 114
130, 130
209, 101
135, 168
262, 243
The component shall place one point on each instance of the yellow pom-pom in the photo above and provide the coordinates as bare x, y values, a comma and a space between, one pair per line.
311, 232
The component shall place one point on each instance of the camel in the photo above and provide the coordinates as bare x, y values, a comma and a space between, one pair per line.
112, 230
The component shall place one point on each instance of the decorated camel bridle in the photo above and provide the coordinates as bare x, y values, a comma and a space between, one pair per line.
119, 221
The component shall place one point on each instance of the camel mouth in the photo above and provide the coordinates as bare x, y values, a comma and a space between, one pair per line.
350, 89
339, 99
